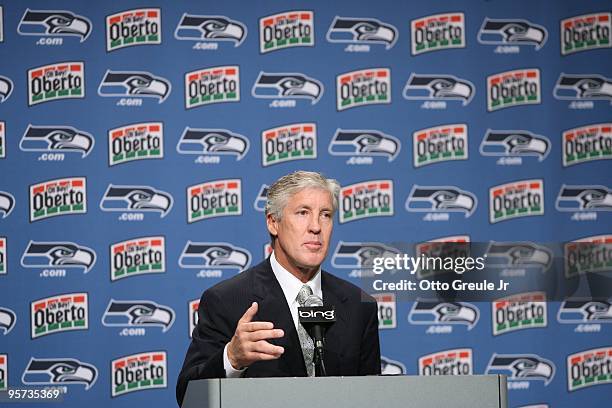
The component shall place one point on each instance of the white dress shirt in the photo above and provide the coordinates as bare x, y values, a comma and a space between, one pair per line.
291, 286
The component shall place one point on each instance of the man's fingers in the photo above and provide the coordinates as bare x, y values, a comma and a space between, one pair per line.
255, 326
266, 334
250, 312
263, 347
264, 356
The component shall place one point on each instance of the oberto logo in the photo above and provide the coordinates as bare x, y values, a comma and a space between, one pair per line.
290, 29
447, 362
589, 367
587, 143
217, 198
440, 144
363, 87
585, 32
138, 141
372, 198
2, 140
139, 372
287, 143
212, 85
59, 314
519, 312
522, 198
437, 32
193, 317
387, 310
138, 256
592, 254
62, 196
513, 88
133, 27
47, 83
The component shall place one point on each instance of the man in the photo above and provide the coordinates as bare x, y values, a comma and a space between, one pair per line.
248, 325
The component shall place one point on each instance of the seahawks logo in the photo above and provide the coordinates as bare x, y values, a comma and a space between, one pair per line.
391, 367
137, 313
7, 203
585, 311
6, 87
522, 367
58, 254
441, 199
362, 31
210, 28
514, 143
212, 141
512, 32
214, 255
59, 371
364, 143
438, 87
7, 320
358, 255
583, 87
518, 254
54, 23
134, 84
287, 86
262, 198
136, 199
584, 198
432, 312
56, 139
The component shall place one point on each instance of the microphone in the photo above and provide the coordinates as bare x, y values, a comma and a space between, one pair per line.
316, 318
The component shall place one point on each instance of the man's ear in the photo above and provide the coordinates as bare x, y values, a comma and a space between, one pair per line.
272, 225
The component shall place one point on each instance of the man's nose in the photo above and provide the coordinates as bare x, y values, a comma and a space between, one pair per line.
314, 225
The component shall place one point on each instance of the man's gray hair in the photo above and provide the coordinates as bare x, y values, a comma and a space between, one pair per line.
285, 187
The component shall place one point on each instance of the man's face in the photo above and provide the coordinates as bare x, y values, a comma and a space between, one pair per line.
304, 230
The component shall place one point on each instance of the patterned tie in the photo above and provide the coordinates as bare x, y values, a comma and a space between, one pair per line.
305, 340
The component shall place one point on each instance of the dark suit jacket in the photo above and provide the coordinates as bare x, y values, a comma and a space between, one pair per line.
351, 348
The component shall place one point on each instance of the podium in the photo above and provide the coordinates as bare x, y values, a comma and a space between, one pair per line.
473, 391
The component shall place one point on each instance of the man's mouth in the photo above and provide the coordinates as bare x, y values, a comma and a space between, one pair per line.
313, 245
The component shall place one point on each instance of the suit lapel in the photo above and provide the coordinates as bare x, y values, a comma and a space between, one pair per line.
273, 308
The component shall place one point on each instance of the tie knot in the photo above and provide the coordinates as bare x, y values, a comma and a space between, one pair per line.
303, 294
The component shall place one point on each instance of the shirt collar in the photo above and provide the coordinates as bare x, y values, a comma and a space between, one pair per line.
290, 284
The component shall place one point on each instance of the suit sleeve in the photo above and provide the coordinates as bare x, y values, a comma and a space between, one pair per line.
204, 358
369, 363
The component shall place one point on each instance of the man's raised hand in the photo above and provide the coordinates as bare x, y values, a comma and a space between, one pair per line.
249, 344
